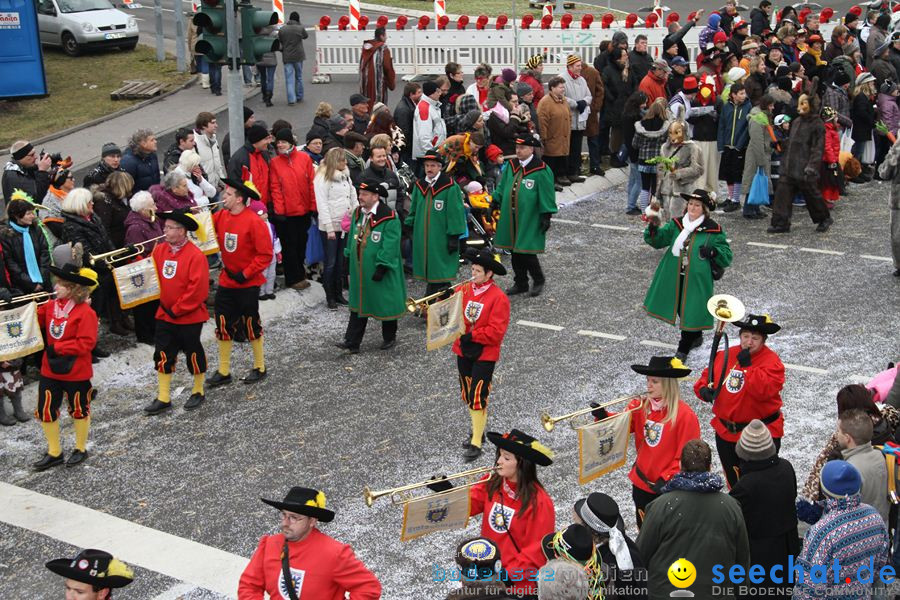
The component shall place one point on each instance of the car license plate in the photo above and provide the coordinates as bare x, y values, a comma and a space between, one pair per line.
114, 36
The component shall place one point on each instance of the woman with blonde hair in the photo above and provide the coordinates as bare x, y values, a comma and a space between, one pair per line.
662, 424
335, 199
320, 122
200, 189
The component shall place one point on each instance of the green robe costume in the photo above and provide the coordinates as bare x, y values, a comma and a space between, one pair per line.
666, 299
525, 194
436, 214
375, 243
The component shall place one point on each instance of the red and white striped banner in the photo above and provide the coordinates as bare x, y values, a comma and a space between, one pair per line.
547, 10
278, 6
440, 9
354, 14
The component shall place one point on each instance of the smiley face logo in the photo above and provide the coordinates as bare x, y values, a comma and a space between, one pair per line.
682, 573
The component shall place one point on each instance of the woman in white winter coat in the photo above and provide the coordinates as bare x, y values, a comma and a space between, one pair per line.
200, 189
682, 175
335, 199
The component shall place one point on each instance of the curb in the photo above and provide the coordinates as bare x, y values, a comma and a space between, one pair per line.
81, 126
591, 187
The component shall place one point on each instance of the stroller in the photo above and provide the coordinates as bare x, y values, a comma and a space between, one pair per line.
482, 220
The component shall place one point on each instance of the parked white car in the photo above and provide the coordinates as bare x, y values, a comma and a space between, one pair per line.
79, 24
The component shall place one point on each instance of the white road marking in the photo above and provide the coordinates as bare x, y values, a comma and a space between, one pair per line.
863, 379
613, 227
764, 245
600, 334
176, 592
820, 251
537, 325
179, 558
555, 220
656, 344
873, 257
805, 369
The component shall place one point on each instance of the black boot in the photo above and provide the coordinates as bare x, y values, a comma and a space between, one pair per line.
5, 419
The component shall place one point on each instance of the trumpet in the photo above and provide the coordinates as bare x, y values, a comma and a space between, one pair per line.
370, 496
123, 253
39, 297
550, 422
414, 306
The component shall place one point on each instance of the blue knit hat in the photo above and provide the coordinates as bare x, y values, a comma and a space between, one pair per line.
840, 479
714, 19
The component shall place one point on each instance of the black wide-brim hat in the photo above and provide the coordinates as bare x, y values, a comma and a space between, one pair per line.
374, 186
663, 366
181, 217
522, 445
247, 192
434, 155
486, 259
598, 510
701, 195
304, 501
576, 540
82, 276
94, 567
759, 323
528, 139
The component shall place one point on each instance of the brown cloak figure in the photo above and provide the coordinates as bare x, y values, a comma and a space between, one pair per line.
376, 70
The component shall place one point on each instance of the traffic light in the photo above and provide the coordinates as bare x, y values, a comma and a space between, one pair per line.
253, 44
210, 19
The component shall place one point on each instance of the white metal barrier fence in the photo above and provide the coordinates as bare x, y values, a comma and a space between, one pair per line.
419, 52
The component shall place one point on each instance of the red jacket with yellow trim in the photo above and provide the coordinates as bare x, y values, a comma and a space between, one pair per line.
183, 284
486, 317
752, 392
73, 335
322, 568
658, 445
246, 247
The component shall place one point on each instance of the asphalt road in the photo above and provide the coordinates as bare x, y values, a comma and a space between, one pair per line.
388, 418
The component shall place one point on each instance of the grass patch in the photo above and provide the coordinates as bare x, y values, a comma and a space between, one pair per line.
492, 8
79, 90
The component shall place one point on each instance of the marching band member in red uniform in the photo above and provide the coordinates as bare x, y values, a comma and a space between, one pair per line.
70, 332
317, 566
246, 253
662, 424
751, 390
183, 273
486, 314
516, 510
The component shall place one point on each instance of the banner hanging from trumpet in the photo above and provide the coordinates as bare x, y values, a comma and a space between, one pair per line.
441, 512
211, 245
20, 332
445, 322
603, 446
136, 283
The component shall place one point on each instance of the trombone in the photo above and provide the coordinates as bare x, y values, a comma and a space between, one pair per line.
550, 422
414, 306
724, 309
39, 297
123, 253
370, 496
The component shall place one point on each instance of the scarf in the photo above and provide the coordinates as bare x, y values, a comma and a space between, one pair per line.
479, 290
62, 308
690, 481
689, 227
34, 269
817, 54
657, 404
573, 75
500, 111
617, 544
174, 248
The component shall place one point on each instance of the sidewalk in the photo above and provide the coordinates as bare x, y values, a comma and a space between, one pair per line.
162, 117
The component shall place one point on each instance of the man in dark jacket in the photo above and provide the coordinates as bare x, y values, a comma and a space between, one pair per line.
760, 18
693, 520
799, 170
359, 106
619, 84
673, 43
337, 129
184, 140
377, 169
27, 172
110, 161
140, 160
291, 36
739, 33
403, 117
619, 40
639, 60
766, 492
249, 120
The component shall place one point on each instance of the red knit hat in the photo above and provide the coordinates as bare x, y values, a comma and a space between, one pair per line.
720, 37
493, 153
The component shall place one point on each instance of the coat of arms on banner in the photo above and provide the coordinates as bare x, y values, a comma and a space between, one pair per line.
438, 205
473, 310
735, 381
653, 432
437, 511
231, 242
14, 329
602, 446
137, 280
529, 183
376, 236
169, 268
